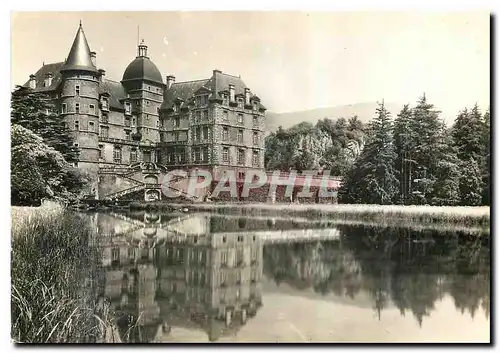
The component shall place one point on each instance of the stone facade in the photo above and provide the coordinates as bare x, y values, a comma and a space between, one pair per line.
145, 119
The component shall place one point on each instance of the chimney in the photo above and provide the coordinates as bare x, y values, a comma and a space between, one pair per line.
247, 96
48, 79
170, 81
216, 71
93, 57
102, 73
231, 93
32, 81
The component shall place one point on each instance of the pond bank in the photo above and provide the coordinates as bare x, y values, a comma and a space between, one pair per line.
462, 215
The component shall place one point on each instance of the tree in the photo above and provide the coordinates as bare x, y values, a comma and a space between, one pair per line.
446, 180
404, 142
39, 171
468, 133
486, 168
35, 112
471, 184
373, 178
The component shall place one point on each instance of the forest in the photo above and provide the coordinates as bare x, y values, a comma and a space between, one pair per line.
410, 159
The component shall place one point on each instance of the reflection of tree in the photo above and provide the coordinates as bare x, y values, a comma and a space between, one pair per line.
411, 269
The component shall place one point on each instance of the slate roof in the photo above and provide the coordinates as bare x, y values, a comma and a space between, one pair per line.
218, 83
79, 55
142, 68
116, 92
54, 69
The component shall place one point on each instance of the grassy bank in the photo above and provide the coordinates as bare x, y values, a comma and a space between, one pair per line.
463, 216
52, 259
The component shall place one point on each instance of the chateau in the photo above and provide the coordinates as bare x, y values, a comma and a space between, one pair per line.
131, 132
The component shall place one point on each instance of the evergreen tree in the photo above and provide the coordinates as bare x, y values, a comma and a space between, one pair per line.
468, 134
470, 183
404, 142
486, 167
373, 178
446, 180
468, 138
426, 164
35, 112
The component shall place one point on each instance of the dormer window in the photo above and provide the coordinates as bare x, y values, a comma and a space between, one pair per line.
105, 103
175, 108
225, 99
202, 100
240, 102
127, 107
254, 105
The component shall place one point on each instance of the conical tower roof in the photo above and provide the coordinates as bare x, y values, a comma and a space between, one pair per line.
79, 55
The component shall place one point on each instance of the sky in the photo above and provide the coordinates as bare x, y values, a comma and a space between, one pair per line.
292, 60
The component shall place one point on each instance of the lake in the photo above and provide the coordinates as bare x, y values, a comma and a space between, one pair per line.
201, 277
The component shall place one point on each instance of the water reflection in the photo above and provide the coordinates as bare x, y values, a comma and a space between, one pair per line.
205, 273
178, 274
411, 270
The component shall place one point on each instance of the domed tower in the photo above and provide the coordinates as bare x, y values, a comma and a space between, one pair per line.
80, 104
143, 82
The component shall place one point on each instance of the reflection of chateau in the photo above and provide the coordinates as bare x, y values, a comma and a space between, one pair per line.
202, 280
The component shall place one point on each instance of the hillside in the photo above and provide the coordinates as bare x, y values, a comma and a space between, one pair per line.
364, 111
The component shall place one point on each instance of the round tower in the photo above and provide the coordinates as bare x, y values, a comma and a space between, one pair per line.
80, 105
144, 84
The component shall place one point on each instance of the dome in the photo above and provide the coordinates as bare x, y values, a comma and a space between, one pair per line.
142, 68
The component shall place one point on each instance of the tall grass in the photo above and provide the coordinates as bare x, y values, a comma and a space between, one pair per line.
53, 258
464, 216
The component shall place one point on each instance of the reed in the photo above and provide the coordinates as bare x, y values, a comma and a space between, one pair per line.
52, 259
462, 215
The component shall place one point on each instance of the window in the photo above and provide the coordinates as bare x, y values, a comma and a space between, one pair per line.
225, 99
225, 154
205, 115
197, 155
77, 108
224, 239
76, 145
225, 115
91, 109
240, 119
202, 154
205, 132
255, 159
127, 108
149, 88
254, 252
77, 125
133, 121
133, 155
238, 277
104, 131
225, 134
115, 254
222, 277
127, 121
147, 103
127, 135
223, 258
47, 111
91, 126
77, 90
254, 105
255, 121
240, 136
241, 157
241, 175
63, 108
117, 154
255, 138
177, 121
198, 133
101, 151
131, 253
104, 118
240, 103
197, 116
105, 103
253, 275
205, 154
